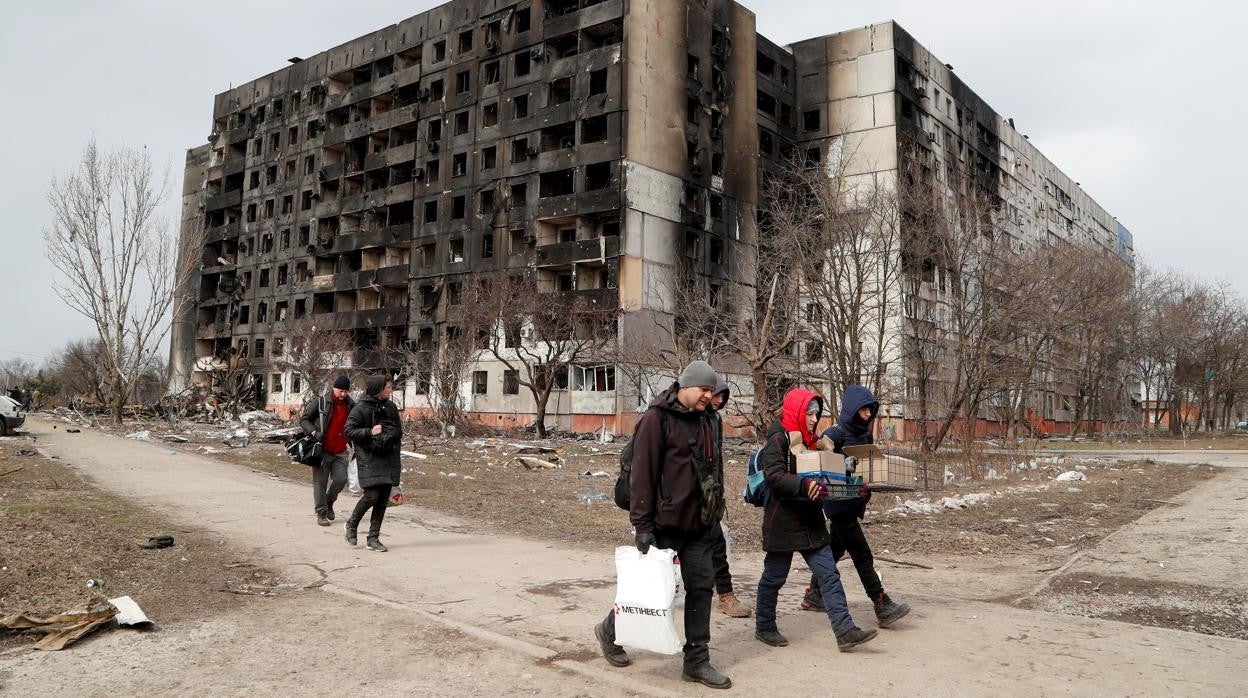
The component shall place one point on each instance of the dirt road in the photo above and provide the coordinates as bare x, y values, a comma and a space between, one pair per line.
458, 614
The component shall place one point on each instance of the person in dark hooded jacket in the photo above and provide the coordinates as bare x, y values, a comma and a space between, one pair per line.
377, 432
676, 497
793, 523
729, 604
853, 428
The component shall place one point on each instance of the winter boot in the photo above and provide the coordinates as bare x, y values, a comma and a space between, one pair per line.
771, 637
329, 511
706, 675
321, 519
888, 611
853, 637
732, 607
374, 544
613, 653
349, 529
813, 600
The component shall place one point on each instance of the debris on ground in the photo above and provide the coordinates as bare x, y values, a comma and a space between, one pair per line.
536, 463
173, 438
596, 473
1071, 476
413, 454
62, 629
163, 540
592, 495
142, 435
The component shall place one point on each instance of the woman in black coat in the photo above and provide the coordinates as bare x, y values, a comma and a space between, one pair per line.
377, 432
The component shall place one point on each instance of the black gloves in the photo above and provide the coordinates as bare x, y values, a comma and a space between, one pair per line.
644, 541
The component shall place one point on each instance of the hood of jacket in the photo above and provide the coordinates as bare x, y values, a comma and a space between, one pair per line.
721, 389
373, 386
793, 413
856, 398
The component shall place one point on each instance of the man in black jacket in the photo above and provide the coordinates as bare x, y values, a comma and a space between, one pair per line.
377, 432
325, 419
729, 604
676, 503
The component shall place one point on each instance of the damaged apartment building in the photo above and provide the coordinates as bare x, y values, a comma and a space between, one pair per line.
602, 146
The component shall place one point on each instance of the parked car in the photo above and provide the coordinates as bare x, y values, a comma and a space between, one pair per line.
11, 415
1242, 426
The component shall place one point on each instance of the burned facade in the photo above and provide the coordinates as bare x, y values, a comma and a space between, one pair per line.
604, 147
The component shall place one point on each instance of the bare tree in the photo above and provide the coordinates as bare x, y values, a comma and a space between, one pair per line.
539, 334
16, 371
117, 259
78, 368
314, 352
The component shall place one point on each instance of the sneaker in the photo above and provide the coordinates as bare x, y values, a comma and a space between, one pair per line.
322, 520
771, 637
888, 611
375, 545
613, 653
854, 637
706, 675
732, 607
350, 534
813, 600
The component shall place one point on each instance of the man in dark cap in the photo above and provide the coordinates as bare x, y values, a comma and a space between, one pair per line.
674, 456
325, 419
377, 432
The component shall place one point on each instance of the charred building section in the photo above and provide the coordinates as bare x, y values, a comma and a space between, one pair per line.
611, 151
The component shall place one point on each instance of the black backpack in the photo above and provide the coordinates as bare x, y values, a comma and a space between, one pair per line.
623, 485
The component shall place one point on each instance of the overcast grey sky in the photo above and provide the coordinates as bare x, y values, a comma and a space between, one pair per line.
1141, 102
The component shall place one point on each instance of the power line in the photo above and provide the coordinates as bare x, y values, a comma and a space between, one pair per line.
22, 353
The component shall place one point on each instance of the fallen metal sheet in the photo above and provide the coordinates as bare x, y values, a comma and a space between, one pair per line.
128, 612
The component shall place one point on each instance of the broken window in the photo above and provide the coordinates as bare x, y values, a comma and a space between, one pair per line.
559, 137
717, 206
594, 129
515, 244
598, 82
288, 206
810, 120
305, 201
766, 103
520, 107
519, 149
597, 176
489, 157
480, 382
522, 64
766, 66
259, 343
276, 383
455, 291
458, 206
437, 90
786, 114
717, 251
251, 213
692, 108
305, 234
519, 194
522, 20
691, 66
462, 82
301, 307
309, 164
264, 278
439, 51
275, 141
461, 123
558, 183
457, 255
693, 244
567, 234
511, 382
262, 313
489, 115
244, 315
459, 164
433, 171
268, 208
766, 143
270, 175
562, 46
491, 73
253, 181
427, 252
595, 378
487, 245
282, 274
431, 211
560, 91
465, 42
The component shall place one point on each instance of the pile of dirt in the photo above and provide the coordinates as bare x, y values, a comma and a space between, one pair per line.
58, 532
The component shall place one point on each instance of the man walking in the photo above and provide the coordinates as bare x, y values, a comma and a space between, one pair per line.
325, 419
729, 604
676, 503
377, 432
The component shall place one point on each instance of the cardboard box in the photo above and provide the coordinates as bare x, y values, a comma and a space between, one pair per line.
881, 470
813, 461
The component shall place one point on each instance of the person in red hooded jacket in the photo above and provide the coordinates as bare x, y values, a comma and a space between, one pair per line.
793, 522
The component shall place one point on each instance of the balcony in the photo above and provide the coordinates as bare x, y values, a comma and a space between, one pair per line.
580, 250
224, 199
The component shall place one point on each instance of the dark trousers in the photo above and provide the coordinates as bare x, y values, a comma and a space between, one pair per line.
847, 537
375, 498
328, 479
776, 572
698, 573
719, 558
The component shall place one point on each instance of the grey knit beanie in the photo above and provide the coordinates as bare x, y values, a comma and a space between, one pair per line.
698, 374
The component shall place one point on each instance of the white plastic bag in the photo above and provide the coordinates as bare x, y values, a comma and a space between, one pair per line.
353, 477
644, 595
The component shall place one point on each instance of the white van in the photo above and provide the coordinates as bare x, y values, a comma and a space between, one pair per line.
11, 415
